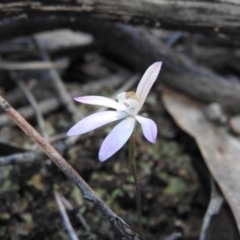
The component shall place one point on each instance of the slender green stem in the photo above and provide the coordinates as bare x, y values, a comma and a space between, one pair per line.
136, 181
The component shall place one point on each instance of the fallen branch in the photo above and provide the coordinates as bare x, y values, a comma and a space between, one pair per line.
209, 16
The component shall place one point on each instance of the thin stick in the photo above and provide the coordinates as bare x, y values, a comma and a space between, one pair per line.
33, 103
175, 236
58, 84
79, 215
51, 104
67, 223
32, 156
214, 207
136, 181
124, 230
46, 106
27, 157
38, 65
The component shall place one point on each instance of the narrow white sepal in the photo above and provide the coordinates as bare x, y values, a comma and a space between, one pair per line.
97, 100
149, 128
116, 138
94, 121
147, 81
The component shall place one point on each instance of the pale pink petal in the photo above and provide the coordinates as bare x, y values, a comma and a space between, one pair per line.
94, 121
149, 128
147, 81
116, 138
97, 100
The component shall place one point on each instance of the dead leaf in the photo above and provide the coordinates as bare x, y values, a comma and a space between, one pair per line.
220, 149
36, 181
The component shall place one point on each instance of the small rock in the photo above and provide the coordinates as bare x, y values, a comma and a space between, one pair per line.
214, 113
234, 123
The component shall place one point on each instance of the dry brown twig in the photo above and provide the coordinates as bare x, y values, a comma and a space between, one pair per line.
124, 230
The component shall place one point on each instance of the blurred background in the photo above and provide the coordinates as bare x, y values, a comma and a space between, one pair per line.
53, 51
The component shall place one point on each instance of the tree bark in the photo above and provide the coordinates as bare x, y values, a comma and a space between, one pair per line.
214, 17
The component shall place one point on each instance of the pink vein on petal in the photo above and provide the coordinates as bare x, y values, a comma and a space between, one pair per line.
97, 100
94, 121
116, 138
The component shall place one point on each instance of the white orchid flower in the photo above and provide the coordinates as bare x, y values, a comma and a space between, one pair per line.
128, 106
